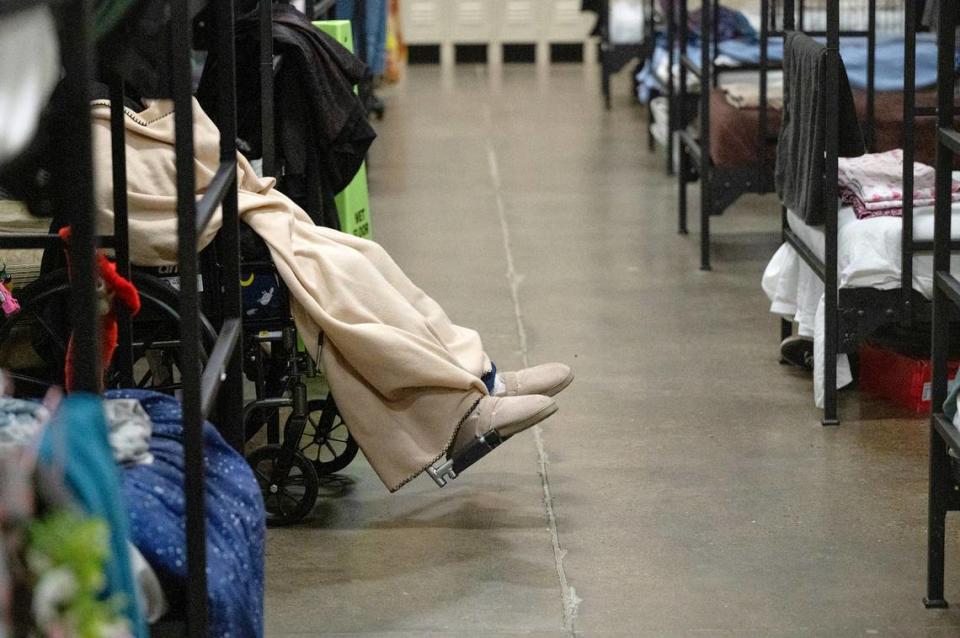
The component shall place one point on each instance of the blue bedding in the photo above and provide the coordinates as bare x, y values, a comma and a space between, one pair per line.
235, 519
888, 75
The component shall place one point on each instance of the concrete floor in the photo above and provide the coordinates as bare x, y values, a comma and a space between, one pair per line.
686, 487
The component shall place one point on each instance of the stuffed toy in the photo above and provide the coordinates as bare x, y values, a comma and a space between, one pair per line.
111, 289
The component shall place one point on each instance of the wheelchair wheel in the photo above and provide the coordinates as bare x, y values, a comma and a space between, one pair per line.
33, 343
325, 441
287, 481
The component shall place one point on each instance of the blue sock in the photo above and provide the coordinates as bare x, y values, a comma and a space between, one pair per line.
490, 377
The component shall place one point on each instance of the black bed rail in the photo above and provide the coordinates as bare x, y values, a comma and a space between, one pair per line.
675, 113
123, 357
223, 385
832, 209
720, 187
267, 131
943, 495
78, 65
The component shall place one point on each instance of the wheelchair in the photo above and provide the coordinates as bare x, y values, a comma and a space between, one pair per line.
315, 441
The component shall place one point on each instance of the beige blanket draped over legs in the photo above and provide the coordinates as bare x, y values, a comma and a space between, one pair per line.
404, 376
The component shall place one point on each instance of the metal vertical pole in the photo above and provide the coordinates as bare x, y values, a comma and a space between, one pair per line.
714, 43
871, 72
940, 475
762, 169
831, 210
674, 111
78, 66
684, 168
196, 598
230, 397
123, 359
267, 133
909, 123
706, 73
789, 17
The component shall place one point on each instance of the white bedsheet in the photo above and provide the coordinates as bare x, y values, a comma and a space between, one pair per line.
868, 256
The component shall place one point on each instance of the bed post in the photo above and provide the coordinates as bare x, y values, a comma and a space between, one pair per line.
909, 108
830, 204
706, 80
229, 409
941, 495
123, 358
674, 114
762, 168
78, 67
786, 326
605, 46
684, 165
871, 72
650, 36
196, 598
266, 88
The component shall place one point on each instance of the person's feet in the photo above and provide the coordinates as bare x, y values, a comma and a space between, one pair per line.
547, 379
797, 351
506, 415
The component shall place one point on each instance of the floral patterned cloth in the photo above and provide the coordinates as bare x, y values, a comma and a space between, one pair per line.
873, 184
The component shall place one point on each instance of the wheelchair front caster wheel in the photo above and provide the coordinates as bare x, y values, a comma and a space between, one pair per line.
288, 483
325, 441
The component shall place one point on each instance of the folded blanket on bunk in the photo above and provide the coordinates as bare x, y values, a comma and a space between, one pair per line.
888, 57
235, 519
801, 145
873, 184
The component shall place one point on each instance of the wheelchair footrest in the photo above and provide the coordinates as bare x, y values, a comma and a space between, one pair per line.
452, 467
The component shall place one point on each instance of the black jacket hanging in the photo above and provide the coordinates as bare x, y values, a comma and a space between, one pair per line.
322, 132
800, 167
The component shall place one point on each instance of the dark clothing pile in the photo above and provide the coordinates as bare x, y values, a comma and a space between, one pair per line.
801, 145
322, 132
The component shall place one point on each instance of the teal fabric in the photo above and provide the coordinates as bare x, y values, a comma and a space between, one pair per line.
75, 443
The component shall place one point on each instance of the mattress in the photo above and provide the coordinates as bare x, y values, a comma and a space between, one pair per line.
868, 250
733, 131
868, 256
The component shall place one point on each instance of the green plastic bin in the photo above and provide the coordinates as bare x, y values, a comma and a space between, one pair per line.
353, 204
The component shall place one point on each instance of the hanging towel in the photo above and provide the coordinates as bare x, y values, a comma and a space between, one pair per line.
799, 173
405, 377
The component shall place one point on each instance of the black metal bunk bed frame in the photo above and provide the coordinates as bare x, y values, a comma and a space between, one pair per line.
665, 87
944, 487
854, 313
614, 57
722, 186
217, 386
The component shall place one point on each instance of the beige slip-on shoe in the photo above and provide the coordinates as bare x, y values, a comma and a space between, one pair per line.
493, 421
547, 379
505, 415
